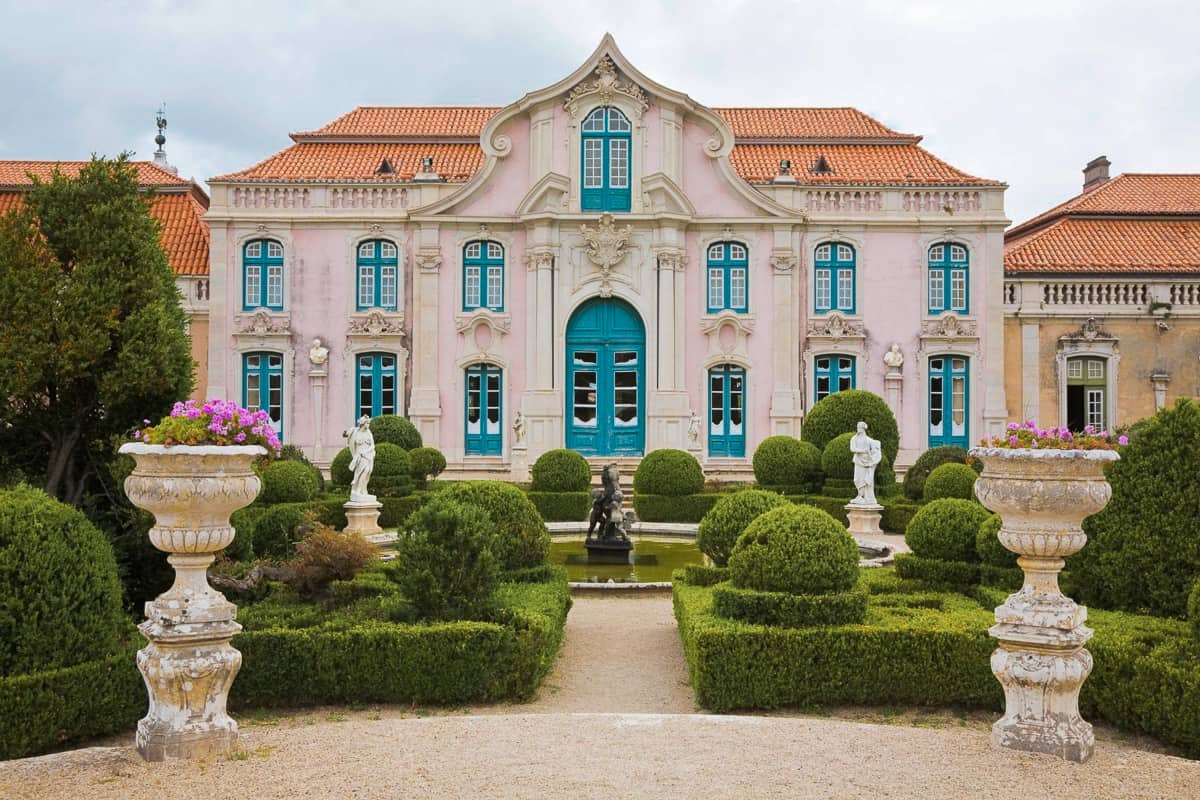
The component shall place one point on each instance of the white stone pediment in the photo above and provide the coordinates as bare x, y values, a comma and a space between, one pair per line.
834, 328
663, 196
549, 195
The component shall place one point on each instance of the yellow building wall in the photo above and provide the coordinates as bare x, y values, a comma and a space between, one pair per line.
198, 333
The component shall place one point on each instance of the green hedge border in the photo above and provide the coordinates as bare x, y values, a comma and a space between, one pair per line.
692, 507
789, 610
562, 506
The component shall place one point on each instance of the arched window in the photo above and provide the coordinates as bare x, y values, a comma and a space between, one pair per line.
483, 276
376, 381
948, 267
728, 277
262, 386
607, 135
727, 411
483, 410
262, 275
833, 275
1087, 392
833, 374
378, 275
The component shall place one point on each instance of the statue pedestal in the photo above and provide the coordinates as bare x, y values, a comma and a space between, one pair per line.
362, 516
893, 382
612, 552
864, 519
520, 462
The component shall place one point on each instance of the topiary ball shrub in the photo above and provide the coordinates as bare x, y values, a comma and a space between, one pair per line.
951, 480
289, 452
837, 461
561, 471
787, 461
395, 430
673, 473
445, 564
339, 469
841, 412
1143, 551
275, 531
727, 520
988, 547
60, 595
289, 482
520, 537
914, 479
391, 475
426, 463
1194, 608
797, 549
946, 530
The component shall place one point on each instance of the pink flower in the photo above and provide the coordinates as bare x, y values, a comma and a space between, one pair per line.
1122, 440
1012, 441
1012, 426
1034, 443
241, 437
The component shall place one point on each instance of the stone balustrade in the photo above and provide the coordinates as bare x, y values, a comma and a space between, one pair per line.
1074, 297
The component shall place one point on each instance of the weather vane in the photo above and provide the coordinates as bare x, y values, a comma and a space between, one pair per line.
160, 119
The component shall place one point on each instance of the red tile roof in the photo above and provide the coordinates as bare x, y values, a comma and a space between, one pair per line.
409, 121
806, 123
1132, 223
848, 163
179, 206
360, 161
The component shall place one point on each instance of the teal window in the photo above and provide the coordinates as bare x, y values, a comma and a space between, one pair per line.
483, 410
378, 275
262, 275
948, 272
949, 401
262, 386
834, 373
727, 411
607, 138
376, 382
483, 276
833, 275
728, 277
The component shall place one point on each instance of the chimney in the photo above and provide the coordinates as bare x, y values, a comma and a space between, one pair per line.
1096, 172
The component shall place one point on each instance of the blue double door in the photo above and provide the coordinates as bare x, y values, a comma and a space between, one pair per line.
606, 353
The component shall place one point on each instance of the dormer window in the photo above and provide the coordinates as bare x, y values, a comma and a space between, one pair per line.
607, 137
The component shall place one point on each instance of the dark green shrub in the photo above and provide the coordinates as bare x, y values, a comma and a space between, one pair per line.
833, 506
668, 472
243, 520
885, 477
937, 571
788, 610
950, 480
289, 452
561, 471
701, 575
795, 549
988, 547
946, 529
444, 561
339, 469
391, 474
275, 531
390, 429
720, 528
914, 479
897, 515
544, 573
841, 412
836, 460
397, 509
787, 461
1143, 551
1194, 608
426, 463
289, 482
660, 508
521, 538
60, 597
562, 506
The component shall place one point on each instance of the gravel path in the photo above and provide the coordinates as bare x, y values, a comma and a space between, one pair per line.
621, 654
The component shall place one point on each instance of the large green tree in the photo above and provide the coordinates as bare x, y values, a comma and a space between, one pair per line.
92, 335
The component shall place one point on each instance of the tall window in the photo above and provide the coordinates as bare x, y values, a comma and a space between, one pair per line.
376, 381
833, 374
262, 275
378, 275
728, 281
833, 273
262, 386
607, 135
1087, 392
948, 267
483, 276
483, 410
949, 401
727, 411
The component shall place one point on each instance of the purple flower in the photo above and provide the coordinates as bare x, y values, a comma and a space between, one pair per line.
1012, 441
1012, 426
1122, 440
1034, 443
241, 437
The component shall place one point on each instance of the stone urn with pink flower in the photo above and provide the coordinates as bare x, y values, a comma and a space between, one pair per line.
1043, 482
193, 471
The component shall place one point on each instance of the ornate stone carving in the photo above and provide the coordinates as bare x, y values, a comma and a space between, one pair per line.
835, 326
607, 86
1090, 331
262, 323
671, 258
375, 229
540, 258
376, 323
783, 261
948, 325
607, 245
428, 260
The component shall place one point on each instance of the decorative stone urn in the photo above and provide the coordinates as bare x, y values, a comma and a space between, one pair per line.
189, 664
1042, 496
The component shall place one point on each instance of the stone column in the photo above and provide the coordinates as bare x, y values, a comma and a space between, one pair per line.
1160, 379
425, 410
317, 377
893, 383
671, 410
541, 405
785, 344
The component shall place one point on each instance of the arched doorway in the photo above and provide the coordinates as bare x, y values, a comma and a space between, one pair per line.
606, 354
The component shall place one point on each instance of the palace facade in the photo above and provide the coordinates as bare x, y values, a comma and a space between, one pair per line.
608, 265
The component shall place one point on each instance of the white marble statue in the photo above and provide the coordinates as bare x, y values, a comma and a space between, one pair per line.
362, 460
693, 431
318, 354
867, 455
519, 429
894, 358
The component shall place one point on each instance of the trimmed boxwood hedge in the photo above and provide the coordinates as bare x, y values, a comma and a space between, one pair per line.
661, 508
674, 473
937, 572
562, 506
720, 528
988, 547
914, 479
397, 509
796, 549
841, 412
950, 480
290, 482
789, 610
395, 430
946, 529
701, 574
787, 461
561, 470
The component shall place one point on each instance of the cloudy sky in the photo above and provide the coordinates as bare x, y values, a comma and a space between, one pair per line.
1025, 92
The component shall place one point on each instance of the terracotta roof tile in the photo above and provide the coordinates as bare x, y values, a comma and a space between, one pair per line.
430, 121
806, 123
359, 161
859, 164
1108, 246
1126, 194
15, 173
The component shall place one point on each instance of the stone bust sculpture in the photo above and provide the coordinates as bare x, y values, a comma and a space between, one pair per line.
318, 354
894, 358
867, 455
362, 460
